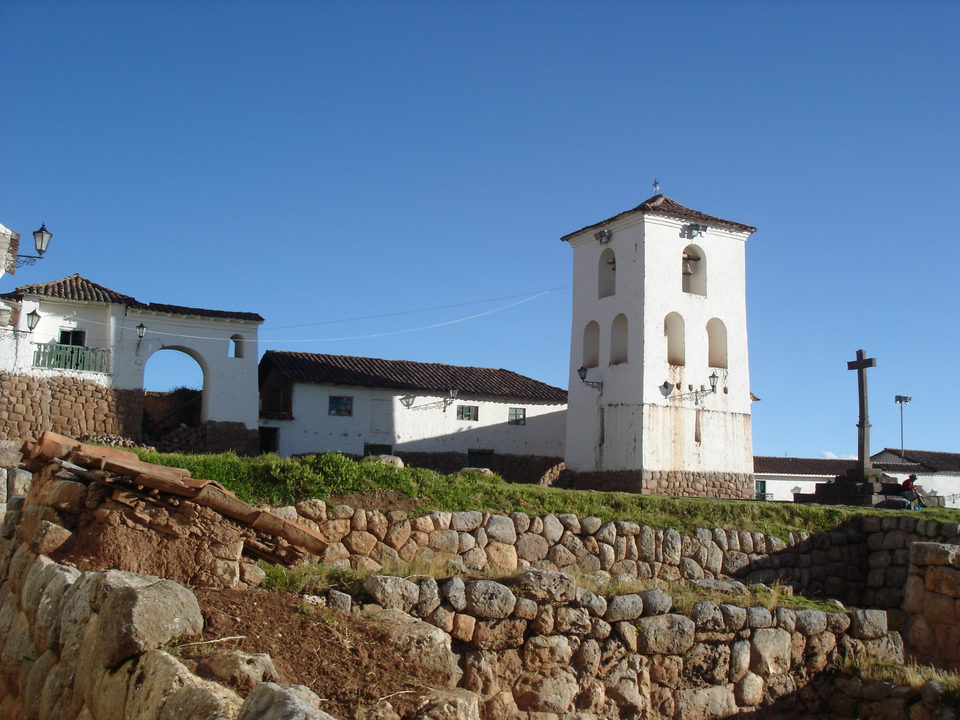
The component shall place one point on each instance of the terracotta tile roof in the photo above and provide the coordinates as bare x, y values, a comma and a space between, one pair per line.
827, 467
406, 375
78, 288
937, 461
663, 205
183, 310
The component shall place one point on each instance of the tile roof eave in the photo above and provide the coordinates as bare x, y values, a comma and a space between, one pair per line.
407, 376
675, 210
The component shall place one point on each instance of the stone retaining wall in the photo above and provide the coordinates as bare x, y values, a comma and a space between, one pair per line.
67, 405
932, 603
543, 645
85, 645
655, 482
210, 437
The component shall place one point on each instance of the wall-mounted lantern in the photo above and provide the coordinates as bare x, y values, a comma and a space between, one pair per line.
697, 395
582, 374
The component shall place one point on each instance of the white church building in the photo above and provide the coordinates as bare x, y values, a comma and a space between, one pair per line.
659, 393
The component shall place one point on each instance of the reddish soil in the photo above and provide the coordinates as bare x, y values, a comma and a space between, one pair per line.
345, 660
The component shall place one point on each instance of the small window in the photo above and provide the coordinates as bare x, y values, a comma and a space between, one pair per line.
236, 346
761, 490
517, 416
73, 337
340, 405
468, 412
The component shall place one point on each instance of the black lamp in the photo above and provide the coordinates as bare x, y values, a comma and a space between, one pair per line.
41, 238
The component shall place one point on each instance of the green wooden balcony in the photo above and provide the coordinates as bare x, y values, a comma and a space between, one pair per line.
72, 357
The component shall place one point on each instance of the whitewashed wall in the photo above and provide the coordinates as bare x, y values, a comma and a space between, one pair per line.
944, 484
639, 428
415, 423
780, 487
229, 383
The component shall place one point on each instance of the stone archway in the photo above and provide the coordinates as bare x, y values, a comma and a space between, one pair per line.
176, 400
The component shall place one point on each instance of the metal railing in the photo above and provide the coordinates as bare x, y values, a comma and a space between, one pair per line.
72, 357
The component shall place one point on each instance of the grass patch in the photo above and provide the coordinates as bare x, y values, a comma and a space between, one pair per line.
316, 579
282, 481
911, 674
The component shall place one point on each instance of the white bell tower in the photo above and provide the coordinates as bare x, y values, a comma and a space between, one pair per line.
659, 336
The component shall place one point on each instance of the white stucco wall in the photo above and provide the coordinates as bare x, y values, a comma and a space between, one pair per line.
415, 423
229, 383
638, 426
781, 486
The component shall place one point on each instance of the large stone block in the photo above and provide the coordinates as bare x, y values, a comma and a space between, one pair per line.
868, 624
136, 619
547, 585
269, 701
770, 651
665, 634
392, 592
489, 600
415, 638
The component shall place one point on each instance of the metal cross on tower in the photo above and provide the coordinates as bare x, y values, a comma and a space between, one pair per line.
863, 426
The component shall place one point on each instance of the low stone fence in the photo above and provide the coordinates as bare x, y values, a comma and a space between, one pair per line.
932, 603
864, 564
543, 645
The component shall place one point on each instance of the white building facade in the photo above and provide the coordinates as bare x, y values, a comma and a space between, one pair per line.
78, 332
313, 403
659, 308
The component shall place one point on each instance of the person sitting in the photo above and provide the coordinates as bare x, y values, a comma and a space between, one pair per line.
908, 488
909, 485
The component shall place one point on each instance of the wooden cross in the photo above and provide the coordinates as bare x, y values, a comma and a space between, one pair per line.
863, 426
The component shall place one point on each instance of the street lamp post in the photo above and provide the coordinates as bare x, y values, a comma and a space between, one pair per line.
901, 400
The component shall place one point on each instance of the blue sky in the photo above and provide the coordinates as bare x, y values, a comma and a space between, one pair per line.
338, 166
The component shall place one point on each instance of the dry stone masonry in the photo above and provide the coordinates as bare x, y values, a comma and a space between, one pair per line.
534, 646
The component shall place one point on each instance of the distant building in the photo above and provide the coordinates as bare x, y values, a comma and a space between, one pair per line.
780, 478
311, 403
79, 369
659, 314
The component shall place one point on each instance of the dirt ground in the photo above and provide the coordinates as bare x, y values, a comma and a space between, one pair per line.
345, 660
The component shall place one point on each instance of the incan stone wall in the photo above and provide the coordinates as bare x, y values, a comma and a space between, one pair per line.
655, 482
931, 601
540, 644
71, 406
534, 646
